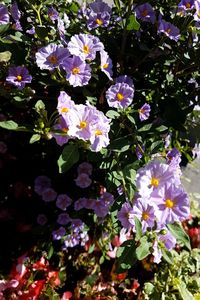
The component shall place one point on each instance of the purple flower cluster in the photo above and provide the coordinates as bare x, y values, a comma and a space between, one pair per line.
77, 236
84, 171
84, 122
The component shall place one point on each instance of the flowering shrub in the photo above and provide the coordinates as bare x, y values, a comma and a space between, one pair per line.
105, 103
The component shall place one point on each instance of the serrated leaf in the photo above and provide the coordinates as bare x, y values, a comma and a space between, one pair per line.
11, 125
5, 56
35, 138
132, 23
143, 250
68, 158
179, 233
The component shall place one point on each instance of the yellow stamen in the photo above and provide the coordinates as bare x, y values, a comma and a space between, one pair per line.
99, 21
168, 30
188, 5
75, 71
154, 182
198, 14
86, 49
145, 216
141, 110
144, 13
65, 129
98, 132
120, 96
105, 66
169, 203
83, 124
19, 78
64, 110
52, 59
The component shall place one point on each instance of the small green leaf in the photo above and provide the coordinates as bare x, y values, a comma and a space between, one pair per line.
35, 138
50, 252
167, 256
138, 228
11, 125
143, 250
4, 28
132, 23
145, 128
179, 233
183, 291
91, 248
112, 114
39, 106
5, 56
126, 256
162, 128
68, 158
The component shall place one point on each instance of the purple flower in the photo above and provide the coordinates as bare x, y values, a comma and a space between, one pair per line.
41, 183
168, 239
18, 76
106, 64
60, 131
144, 112
84, 46
41, 219
169, 30
58, 234
95, 20
173, 204
125, 79
15, 12
64, 103
107, 198
100, 208
63, 201
83, 181
152, 177
120, 95
51, 56
80, 203
126, 216
144, 212
99, 6
85, 167
186, 4
31, 31
197, 12
4, 16
49, 195
139, 151
78, 72
63, 219
53, 14
145, 12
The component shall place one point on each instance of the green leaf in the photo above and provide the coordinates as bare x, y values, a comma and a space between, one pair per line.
35, 138
167, 256
112, 114
39, 106
138, 228
143, 250
162, 128
50, 252
145, 128
121, 144
91, 248
126, 256
179, 233
117, 4
4, 28
68, 158
132, 23
11, 125
183, 291
5, 56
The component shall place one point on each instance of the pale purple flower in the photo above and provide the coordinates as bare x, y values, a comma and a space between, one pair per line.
125, 79
63, 219
41, 183
84, 46
152, 177
106, 64
145, 12
196, 151
31, 30
63, 201
95, 20
4, 16
49, 195
78, 72
53, 14
126, 216
99, 6
120, 95
168, 239
51, 56
15, 12
144, 112
107, 198
186, 4
100, 208
18, 76
197, 12
80, 203
173, 204
64, 103
169, 30
42, 219
60, 132
145, 212
157, 253
83, 181
85, 167
58, 234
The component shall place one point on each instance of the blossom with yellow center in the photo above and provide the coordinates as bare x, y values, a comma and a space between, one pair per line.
75, 70
65, 129
120, 96
98, 132
64, 110
169, 203
19, 78
168, 30
105, 66
145, 216
86, 49
83, 124
154, 182
144, 13
99, 21
53, 59
188, 5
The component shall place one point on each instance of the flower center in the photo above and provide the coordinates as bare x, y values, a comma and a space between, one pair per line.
64, 110
198, 14
168, 30
120, 96
99, 21
53, 59
105, 66
141, 110
169, 203
75, 71
188, 5
144, 13
98, 132
83, 124
65, 129
86, 49
19, 78
145, 216
155, 182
